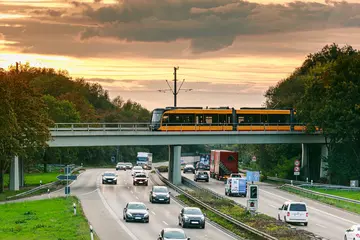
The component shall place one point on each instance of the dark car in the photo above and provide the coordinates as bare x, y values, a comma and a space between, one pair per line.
202, 176
121, 166
200, 166
136, 211
189, 168
191, 216
159, 194
109, 177
172, 233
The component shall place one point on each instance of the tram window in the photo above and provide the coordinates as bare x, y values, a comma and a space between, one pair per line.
199, 118
222, 118
229, 117
264, 118
208, 119
279, 118
252, 118
165, 119
241, 119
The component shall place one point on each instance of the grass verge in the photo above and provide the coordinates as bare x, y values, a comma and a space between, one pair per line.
352, 207
341, 193
43, 219
261, 222
32, 179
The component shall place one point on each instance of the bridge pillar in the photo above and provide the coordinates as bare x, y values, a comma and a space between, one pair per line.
305, 160
323, 163
14, 174
21, 173
175, 164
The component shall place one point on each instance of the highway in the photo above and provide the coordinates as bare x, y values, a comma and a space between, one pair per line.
103, 206
324, 220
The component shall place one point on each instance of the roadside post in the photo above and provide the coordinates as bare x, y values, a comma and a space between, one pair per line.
296, 168
74, 205
91, 233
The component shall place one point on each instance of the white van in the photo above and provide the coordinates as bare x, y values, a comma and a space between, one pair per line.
294, 212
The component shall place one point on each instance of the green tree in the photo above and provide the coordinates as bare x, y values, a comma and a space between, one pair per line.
61, 111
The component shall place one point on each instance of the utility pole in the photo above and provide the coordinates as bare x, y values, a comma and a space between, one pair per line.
175, 91
17, 67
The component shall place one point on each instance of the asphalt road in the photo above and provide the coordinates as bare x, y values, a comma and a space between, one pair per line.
324, 220
103, 206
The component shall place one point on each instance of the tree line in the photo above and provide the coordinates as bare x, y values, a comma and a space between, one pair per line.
324, 90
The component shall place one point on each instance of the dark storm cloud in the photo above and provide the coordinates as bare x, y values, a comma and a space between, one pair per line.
213, 25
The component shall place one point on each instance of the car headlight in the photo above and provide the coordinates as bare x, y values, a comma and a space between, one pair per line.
129, 214
186, 217
202, 218
115, 178
154, 195
104, 178
167, 195
146, 215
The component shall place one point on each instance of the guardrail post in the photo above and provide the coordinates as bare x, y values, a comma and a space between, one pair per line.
40, 182
311, 182
74, 205
307, 179
291, 182
91, 233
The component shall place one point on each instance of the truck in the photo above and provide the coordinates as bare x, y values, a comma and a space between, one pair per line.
144, 159
223, 163
236, 187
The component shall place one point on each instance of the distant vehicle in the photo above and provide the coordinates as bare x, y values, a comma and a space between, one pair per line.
109, 177
202, 176
136, 211
136, 169
144, 159
189, 168
159, 194
223, 163
235, 175
191, 216
140, 179
200, 166
128, 165
294, 212
172, 233
121, 166
236, 187
352, 233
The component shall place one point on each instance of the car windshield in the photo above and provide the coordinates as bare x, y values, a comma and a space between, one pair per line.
109, 174
193, 211
174, 235
137, 168
298, 207
136, 206
162, 190
130, 164
203, 173
140, 175
189, 166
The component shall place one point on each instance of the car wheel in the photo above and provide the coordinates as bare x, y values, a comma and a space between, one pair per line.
115, 182
345, 238
169, 201
183, 224
203, 226
305, 224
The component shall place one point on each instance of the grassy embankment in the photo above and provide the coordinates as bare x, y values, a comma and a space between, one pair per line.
31, 180
261, 222
352, 207
43, 220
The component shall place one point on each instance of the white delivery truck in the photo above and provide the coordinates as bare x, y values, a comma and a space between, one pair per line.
144, 159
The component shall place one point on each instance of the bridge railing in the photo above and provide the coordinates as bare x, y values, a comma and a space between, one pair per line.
278, 127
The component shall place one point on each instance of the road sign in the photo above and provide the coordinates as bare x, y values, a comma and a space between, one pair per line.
296, 173
113, 159
254, 192
252, 204
68, 177
297, 163
67, 190
67, 170
254, 158
296, 169
252, 176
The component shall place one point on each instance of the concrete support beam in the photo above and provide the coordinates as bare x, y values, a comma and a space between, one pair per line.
21, 173
323, 163
175, 164
305, 160
14, 174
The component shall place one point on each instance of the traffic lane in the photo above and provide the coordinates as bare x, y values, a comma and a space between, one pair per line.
161, 215
324, 222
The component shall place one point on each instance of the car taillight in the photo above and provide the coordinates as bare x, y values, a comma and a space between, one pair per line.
288, 214
358, 235
307, 214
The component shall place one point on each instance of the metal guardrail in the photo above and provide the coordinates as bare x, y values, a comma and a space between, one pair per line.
308, 184
146, 126
322, 194
227, 217
41, 187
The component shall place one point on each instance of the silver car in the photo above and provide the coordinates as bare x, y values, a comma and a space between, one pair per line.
191, 216
172, 233
136, 211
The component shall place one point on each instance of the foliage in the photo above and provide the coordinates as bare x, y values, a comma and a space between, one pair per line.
163, 169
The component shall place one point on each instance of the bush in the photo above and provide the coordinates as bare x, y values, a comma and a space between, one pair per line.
163, 169
263, 177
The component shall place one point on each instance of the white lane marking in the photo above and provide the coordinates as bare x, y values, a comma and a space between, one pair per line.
136, 197
88, 193
165, 223
153, 212
320, 225
343, 219
113, 214
272, 206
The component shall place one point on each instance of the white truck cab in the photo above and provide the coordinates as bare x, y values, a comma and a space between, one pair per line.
294, 212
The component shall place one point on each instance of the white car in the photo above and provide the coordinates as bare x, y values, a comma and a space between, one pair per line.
352, 233
136, 169
294, 212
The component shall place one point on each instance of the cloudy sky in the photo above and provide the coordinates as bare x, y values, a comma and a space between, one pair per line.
228, 51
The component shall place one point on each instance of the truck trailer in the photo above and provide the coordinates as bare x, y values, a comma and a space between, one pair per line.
144, 159
223, 163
